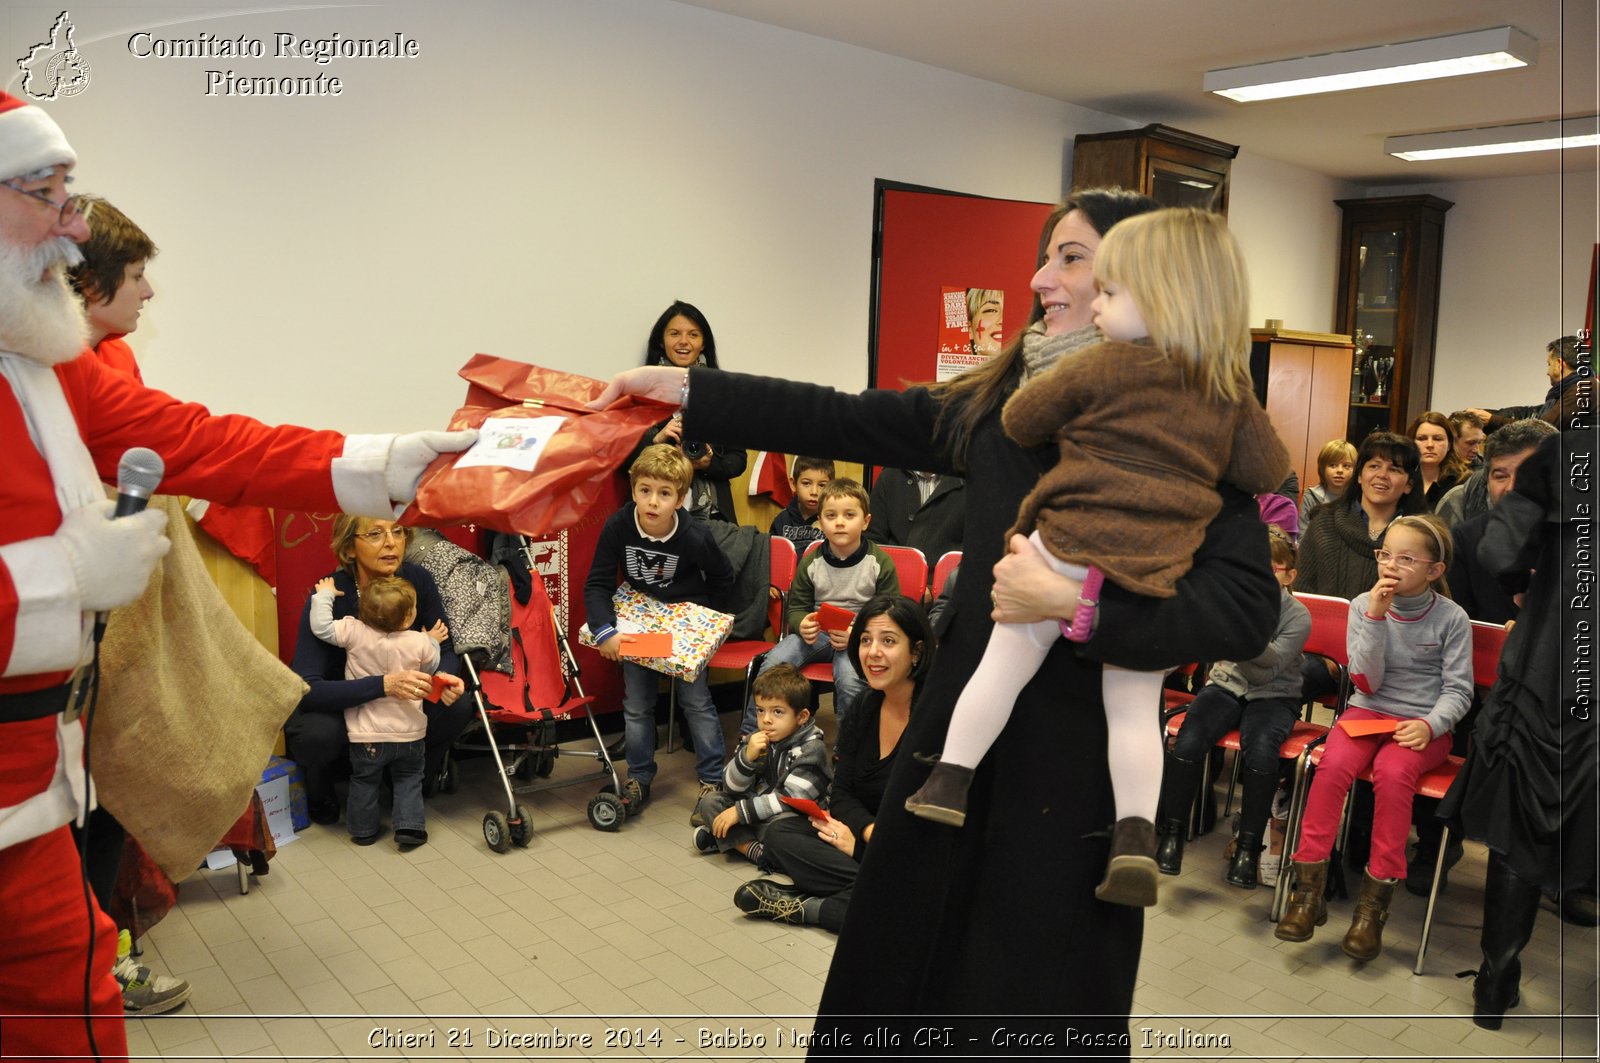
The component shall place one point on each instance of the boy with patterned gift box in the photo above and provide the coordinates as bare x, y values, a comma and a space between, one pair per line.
785, 756
845, 571
665, 553
798, 521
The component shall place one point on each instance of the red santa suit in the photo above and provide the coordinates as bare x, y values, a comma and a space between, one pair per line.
44, 637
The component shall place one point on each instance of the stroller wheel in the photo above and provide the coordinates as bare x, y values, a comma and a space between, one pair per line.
497, 832
450, 778
606, 812
545, 763
521, 828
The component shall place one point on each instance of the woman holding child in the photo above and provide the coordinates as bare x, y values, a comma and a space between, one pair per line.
978, 922
366, 549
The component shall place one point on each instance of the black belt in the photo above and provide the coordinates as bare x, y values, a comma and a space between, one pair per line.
37, 704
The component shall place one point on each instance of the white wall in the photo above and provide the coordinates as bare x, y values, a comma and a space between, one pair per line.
539, 184
1514, 272
1287, 221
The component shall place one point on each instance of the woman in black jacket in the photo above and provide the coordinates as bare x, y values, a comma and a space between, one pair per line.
999, 920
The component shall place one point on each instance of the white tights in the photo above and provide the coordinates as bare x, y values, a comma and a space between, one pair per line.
1013, 657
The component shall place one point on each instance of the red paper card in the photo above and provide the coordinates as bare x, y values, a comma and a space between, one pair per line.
805, 806
440, 684
833, 618
1362, 728
647, 644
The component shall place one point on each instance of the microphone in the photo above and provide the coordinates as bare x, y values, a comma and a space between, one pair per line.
138, 475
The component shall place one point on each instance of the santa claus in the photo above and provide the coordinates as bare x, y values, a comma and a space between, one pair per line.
65, 422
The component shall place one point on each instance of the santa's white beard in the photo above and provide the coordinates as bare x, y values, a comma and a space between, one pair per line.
40, 315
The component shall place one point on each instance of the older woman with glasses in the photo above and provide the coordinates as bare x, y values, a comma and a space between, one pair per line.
366, 549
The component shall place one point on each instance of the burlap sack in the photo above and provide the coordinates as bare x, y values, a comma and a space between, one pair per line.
190, 707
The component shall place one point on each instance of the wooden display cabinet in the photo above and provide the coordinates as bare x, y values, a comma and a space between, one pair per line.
1389, 251
1174, 168
1303, 380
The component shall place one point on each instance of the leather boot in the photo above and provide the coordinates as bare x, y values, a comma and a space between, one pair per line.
1364, 940
1510, 906
1255, 808
1131, 872
1308, 907
943, 798
1179, 780
1419, 872
1246, 855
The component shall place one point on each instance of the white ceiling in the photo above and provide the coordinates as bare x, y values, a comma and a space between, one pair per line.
1144, 60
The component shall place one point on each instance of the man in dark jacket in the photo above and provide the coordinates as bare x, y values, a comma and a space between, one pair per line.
921, 509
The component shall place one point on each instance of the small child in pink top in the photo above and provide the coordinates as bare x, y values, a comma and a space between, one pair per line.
388, 731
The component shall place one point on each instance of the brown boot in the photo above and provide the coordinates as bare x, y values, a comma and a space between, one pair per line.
1308, 907
1365, 939
1131, 873
943, 798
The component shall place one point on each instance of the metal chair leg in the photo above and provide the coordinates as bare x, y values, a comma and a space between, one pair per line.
1433, 900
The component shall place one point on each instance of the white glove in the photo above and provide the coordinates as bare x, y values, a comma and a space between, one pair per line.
410, 455
112, 559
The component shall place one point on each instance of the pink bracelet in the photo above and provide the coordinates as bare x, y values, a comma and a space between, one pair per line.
1087, 616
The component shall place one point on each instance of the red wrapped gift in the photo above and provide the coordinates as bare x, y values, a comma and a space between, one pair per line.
542, 458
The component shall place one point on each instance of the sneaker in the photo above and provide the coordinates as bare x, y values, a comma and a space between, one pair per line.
770, 900
703, 840
695, 819
143, 992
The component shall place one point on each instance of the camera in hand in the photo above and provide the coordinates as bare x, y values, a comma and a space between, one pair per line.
695, 450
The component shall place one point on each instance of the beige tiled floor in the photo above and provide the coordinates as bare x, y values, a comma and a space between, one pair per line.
341, 947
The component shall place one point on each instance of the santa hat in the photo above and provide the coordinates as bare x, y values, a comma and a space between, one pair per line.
30, 140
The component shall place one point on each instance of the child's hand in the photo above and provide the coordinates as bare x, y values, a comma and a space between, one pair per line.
839, 640
325, 586
1414, 734
724, 822
611, 648
1382, 597
755, 747
438, 632
810, 628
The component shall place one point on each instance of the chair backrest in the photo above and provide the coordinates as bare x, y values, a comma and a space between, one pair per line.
909, 565
942, 569
1330, 620
912, 568
1488, 640
784, 563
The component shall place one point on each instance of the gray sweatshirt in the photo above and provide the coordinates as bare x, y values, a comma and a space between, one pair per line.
1415, 662
1276, 672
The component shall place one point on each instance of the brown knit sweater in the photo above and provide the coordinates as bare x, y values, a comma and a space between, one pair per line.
1141, 457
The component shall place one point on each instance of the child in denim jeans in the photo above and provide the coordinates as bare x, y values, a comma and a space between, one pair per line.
388, 731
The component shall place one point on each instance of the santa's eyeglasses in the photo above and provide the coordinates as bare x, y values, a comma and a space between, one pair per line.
69, 208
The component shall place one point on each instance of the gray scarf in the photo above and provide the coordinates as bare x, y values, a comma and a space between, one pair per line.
1040, 352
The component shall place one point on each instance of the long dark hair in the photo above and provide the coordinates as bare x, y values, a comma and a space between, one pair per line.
972, 396
655, 352
909, 617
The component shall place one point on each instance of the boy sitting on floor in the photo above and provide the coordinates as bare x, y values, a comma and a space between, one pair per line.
784, 757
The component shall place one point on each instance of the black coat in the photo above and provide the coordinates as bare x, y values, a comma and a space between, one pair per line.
999, 918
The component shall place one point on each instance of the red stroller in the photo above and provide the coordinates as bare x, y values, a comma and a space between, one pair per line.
542, 692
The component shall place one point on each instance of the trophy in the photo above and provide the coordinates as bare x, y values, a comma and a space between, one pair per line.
1382, 366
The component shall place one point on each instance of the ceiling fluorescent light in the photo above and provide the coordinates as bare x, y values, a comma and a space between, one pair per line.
1497, 140
1388, 64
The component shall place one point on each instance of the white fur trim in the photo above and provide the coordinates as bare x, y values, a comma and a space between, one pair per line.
358, 482
51, 631
61, 802
30, 140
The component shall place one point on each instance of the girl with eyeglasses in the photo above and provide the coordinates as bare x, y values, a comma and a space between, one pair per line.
1410, 651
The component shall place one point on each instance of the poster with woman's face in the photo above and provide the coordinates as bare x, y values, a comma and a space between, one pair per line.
970, 328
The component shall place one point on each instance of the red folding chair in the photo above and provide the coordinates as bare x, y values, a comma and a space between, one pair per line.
743, 654
941, 571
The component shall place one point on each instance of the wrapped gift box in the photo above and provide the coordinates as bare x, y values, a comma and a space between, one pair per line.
697, 632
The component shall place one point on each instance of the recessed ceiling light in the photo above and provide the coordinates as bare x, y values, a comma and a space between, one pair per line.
1389, 64
1497, 140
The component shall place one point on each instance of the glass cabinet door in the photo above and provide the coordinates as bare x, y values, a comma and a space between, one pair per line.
1379, 258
